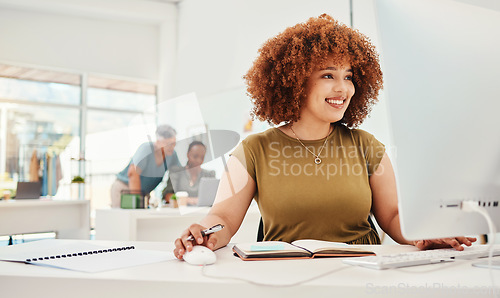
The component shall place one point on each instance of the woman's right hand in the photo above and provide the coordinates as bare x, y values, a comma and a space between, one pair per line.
182, 244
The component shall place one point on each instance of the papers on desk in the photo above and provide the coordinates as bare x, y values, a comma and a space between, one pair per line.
81, 256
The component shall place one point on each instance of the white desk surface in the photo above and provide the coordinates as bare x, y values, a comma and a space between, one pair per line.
176, 278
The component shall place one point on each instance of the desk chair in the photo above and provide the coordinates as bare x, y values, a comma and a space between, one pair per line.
260, 231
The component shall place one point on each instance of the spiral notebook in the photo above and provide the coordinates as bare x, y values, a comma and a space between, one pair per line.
81, 256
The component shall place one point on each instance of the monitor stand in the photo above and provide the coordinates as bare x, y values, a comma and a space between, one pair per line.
495, 264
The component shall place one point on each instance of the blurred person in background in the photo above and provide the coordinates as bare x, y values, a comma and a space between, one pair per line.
148, 166
187, 178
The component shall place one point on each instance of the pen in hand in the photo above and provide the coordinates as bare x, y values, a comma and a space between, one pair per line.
207, 232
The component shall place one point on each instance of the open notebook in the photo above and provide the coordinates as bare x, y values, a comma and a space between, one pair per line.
305, 249
81, 256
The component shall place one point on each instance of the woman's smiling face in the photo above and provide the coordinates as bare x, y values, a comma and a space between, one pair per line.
329, 91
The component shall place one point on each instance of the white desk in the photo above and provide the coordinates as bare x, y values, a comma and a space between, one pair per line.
178, 279
164, 224
69, 219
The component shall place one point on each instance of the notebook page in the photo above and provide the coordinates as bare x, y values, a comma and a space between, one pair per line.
314, 245
267, 246
86, 263
108, 261
42, 248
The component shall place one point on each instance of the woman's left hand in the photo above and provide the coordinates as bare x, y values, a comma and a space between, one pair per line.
456, 243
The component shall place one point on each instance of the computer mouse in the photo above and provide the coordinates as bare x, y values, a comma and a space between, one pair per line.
200, 255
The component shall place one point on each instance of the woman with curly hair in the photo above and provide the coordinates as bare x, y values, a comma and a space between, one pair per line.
314, 175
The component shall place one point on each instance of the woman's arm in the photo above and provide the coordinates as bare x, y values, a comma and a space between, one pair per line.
134, 179
385, 200
234, 195
385, 209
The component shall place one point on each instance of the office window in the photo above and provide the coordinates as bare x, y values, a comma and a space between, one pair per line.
120, 94
37, 130
45, 111
40, 118
41, 86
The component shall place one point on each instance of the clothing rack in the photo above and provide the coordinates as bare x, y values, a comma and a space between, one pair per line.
24, 155
45, 165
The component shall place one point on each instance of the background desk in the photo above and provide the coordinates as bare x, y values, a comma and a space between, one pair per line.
178, 279
164, 224
69, 219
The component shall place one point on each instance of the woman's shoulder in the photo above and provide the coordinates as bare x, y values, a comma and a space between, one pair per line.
143, 154
355, 133
207, 173
268, 135
177, 168
176, 171
145, 147
254, 143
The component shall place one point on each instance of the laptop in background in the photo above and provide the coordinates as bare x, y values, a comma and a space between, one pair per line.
207, 191
28, 190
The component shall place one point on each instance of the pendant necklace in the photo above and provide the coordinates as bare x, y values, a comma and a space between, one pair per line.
317, 160
190, 176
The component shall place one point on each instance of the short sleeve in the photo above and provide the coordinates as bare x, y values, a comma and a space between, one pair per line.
140, 157
374, 153
244, 154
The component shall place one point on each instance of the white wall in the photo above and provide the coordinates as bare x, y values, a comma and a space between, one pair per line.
79, 43
119, 37
219, 39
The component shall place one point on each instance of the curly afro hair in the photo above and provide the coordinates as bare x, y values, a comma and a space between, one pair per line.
277, 80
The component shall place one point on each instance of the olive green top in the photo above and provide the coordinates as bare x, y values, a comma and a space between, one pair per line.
299, 199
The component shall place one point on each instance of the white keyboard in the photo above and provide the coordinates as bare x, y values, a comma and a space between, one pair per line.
423, 257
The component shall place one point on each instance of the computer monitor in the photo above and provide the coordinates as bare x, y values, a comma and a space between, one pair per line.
207, 191
441, 64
